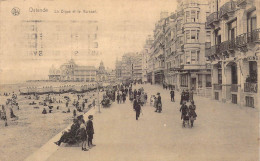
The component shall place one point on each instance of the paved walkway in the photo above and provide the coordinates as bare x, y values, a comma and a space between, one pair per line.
222, 132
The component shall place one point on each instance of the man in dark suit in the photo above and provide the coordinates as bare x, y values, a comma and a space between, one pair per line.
90, 131
159, 104
138, 110
172, 95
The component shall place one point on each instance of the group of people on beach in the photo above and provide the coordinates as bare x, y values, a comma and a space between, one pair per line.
81, 131
10, 103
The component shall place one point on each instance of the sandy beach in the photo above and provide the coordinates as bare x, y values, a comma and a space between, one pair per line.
32, 129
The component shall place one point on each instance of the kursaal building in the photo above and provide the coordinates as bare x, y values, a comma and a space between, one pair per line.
72, 72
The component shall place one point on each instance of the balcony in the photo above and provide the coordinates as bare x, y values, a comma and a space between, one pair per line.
227, 46
242, 3
217, 86
234, 88
250, 87
227, 9
245, 38
213, 17
207, 26
211, 51
242, 39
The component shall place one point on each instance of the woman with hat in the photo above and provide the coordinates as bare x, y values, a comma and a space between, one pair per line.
90, 131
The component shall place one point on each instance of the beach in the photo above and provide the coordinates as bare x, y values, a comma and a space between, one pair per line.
32, 129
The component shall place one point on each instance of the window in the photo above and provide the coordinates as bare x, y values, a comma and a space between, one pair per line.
219, 76
198, 34
187, 16
208, 35
181, 59
234, 74
187, 36
252, 72
208, 80
193, 16
184, 80
193, 57
198, 55
232, 30
207, 14
187, 57
198, 15
199, 81
251, 21
193, 34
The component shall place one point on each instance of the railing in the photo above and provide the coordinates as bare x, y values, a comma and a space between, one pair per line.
217, 86
224, 46
239, 2
234, 88
213, 17
242, 39
207, 26
227, 45
250, 87
226, 8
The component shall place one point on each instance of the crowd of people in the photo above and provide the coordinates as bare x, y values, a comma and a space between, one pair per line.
82, 131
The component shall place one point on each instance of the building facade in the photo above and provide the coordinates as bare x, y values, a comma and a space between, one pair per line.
70, 71
178, 50
118, 70
234, 51
145, 59
102, 74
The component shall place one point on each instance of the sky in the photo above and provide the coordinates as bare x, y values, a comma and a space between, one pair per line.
123, 26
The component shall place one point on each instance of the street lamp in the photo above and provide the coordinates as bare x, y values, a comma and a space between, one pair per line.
98, 97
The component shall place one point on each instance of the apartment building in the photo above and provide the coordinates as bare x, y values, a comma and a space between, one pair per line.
234, 51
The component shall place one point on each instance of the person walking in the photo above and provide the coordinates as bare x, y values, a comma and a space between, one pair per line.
182, 97
135, 94
124, 97
3, 115
135, 104
192, 113
94, 103
191, 95
184, 111
90, 131
159, 104
83, 135
118, 98
138, 110
172, 95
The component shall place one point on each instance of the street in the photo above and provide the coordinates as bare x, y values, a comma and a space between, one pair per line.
222, 132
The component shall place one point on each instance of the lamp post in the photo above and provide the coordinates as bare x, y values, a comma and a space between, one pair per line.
98, 97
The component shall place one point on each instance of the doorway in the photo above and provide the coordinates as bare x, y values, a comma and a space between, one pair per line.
193, 83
